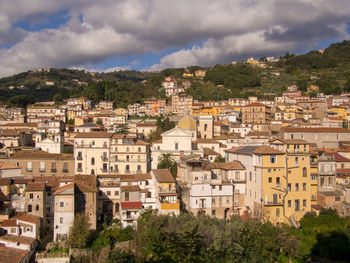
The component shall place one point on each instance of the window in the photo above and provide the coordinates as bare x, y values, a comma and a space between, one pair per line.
297, 205
37, 208
296, 187
278, 181
61, 220
139, 149
205, 127
30, 208
304, 186
250, 176
149, 195
61, 204
42, 167
289, 187
213, 200
273, 158
270, 179
92, 171
139, 168
127, 149
304, 172
213, 187
277, 212
213, 212
176, 146
31, 196
220, 187
296, 161
304, 203
92, 161
289, 203
116, 193
322, 181
65, 167
29, 166
108, 193
337, 198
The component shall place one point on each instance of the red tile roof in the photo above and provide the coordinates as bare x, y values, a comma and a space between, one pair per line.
94, 135
6, 165
163, 176
131, 205
234, 165
9, 223
316, 130
33, 187
338, 158
28, 218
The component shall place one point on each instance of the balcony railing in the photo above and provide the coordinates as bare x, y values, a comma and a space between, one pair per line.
29, 170
104, 159
79, 170
79, 158
64, 170
53, 170
127, 171
42, 170
104, 170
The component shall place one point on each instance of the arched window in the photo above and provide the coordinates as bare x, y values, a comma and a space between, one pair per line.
304, 172
205, 127
92, 171
30, 208
176, 146
37, 207
92, 161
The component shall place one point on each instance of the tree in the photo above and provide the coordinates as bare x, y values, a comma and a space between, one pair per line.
57, 98
122, 128
154, 135
80, 233
20, 101
167, 162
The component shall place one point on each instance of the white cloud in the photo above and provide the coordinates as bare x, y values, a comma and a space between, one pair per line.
227, 29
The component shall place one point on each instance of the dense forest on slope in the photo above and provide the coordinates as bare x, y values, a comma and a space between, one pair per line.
329, 70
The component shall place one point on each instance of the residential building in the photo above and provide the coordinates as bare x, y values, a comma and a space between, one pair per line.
256, 113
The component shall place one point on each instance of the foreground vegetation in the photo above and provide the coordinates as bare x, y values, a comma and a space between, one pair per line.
186, 238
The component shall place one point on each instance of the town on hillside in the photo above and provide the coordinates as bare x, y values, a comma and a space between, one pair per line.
268, 159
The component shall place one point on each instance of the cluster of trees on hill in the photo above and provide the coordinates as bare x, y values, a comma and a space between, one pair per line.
189, 238
221, 81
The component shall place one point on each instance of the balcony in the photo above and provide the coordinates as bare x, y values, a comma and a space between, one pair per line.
104, 170
64, 170
80, 158
127, 171
42, 170
273, 204
53, 170
29, 170
79, 170
170, 206
104, 159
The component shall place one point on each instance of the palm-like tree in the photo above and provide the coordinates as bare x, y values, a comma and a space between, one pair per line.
167, 162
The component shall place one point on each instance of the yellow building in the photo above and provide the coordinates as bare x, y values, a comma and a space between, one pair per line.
298, 191
341, 111
278, 183
187, 75
165, 188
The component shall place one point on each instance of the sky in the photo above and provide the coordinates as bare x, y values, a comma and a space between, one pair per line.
108, 35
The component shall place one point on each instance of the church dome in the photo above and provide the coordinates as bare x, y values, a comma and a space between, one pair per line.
187, 123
